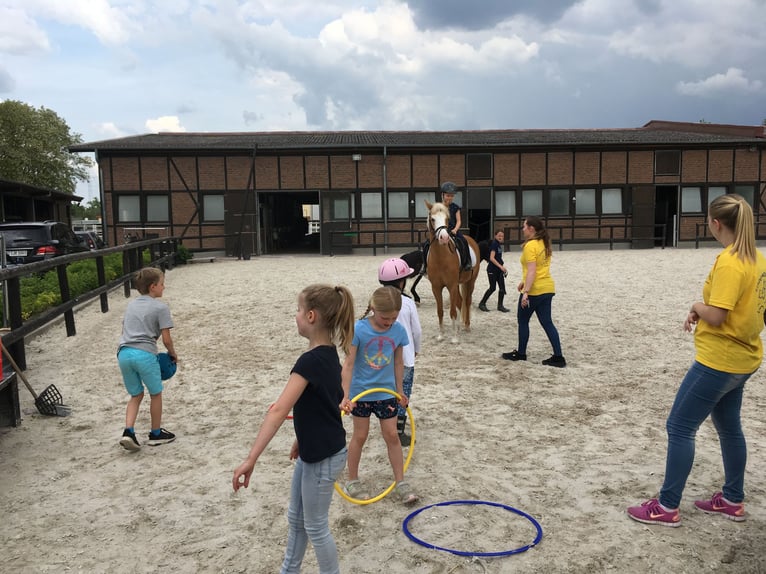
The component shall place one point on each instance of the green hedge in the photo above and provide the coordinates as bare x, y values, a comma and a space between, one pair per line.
41, 292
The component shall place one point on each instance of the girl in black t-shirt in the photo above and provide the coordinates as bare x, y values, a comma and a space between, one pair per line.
325, 316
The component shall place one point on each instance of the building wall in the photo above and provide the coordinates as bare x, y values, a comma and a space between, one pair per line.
188, 178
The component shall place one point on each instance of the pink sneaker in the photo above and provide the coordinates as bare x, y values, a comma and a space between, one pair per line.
650, 512
717, 505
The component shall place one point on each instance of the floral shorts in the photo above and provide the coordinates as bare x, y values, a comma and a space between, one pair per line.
384, 409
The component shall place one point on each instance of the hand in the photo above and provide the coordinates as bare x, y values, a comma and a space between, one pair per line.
347, 406
242, 475
691, 319
525, 300
294, 451
403, 400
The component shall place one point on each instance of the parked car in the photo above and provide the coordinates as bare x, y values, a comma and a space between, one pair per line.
26, 242
91, 239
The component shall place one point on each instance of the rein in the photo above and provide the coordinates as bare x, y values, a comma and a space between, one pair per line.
435, 233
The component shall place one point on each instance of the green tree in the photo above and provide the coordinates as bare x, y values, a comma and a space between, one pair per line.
91, 210
33, 148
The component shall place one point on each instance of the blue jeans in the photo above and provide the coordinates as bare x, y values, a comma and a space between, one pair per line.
539, 305
705, 391
308, 514
409, 376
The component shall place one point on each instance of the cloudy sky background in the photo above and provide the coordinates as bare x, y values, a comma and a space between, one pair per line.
112, 68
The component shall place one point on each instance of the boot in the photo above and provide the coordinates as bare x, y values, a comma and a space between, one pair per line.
500, 297
483, 303
466, 257
404, 438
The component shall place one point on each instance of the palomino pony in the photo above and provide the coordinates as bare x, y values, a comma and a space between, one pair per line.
444, 269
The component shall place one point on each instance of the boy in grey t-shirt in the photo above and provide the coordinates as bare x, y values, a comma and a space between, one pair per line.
146, 320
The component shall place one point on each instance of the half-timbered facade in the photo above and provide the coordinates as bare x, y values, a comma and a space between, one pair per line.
329, 192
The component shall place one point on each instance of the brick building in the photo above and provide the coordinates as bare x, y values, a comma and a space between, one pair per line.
266, 192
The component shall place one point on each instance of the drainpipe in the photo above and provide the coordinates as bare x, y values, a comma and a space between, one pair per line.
101, 199
385, 204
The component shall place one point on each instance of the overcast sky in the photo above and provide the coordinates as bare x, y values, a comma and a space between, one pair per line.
112, 68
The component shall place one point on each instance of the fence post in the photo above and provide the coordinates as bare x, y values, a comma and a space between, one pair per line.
16, 321
65, 297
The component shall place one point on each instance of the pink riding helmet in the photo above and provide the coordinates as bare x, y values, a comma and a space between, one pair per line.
393, 269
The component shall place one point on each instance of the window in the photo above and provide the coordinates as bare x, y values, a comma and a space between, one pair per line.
691, 200
505, 203
420, 203
157, 208
532, 202
713, 192
371, 205
399, 204
212, 207
611, 200
667, 162
128, 208
478, 165
748, 192
559, 202
340, 209
585, 201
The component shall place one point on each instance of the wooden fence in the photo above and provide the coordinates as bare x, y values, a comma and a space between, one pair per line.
162, 254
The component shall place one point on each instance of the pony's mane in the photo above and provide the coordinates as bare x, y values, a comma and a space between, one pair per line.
439, 207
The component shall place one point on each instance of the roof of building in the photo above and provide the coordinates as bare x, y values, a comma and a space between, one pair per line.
653, 133
8, 187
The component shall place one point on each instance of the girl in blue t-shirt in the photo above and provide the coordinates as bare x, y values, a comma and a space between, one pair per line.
375, 360
325, 317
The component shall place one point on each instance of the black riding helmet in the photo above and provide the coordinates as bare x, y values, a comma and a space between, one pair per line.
449, 187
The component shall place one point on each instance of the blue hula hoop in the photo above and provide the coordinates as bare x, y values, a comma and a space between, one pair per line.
414, 538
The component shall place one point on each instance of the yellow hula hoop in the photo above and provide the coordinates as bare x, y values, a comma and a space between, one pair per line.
406, 460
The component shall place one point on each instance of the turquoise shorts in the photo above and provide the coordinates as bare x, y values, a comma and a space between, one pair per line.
139, 368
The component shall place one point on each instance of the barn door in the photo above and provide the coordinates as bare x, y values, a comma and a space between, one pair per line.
643, 217
335, 227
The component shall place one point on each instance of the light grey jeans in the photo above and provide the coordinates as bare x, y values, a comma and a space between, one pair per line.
308, 514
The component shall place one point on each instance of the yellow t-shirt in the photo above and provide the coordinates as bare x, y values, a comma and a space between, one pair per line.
739, 287
534, 250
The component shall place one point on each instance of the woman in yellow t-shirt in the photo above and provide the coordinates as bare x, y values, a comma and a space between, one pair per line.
727, 338
536, 291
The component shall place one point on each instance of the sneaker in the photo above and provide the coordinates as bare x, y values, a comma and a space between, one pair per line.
555, 361
718, 505
129, 441
404, 493
405, 439
514, 356
161, 438
355, 489
651, 512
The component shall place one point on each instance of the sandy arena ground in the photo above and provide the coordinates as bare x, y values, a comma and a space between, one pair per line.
572, 447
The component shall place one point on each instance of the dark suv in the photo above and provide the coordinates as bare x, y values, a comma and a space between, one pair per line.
91, 239
26, 242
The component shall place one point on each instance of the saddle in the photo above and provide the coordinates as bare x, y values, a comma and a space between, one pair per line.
465, 253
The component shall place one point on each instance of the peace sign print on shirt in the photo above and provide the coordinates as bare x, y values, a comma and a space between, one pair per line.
379, 352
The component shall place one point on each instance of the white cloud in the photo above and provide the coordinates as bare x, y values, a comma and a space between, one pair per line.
19, 33
165, 124
732, 82
108, 130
